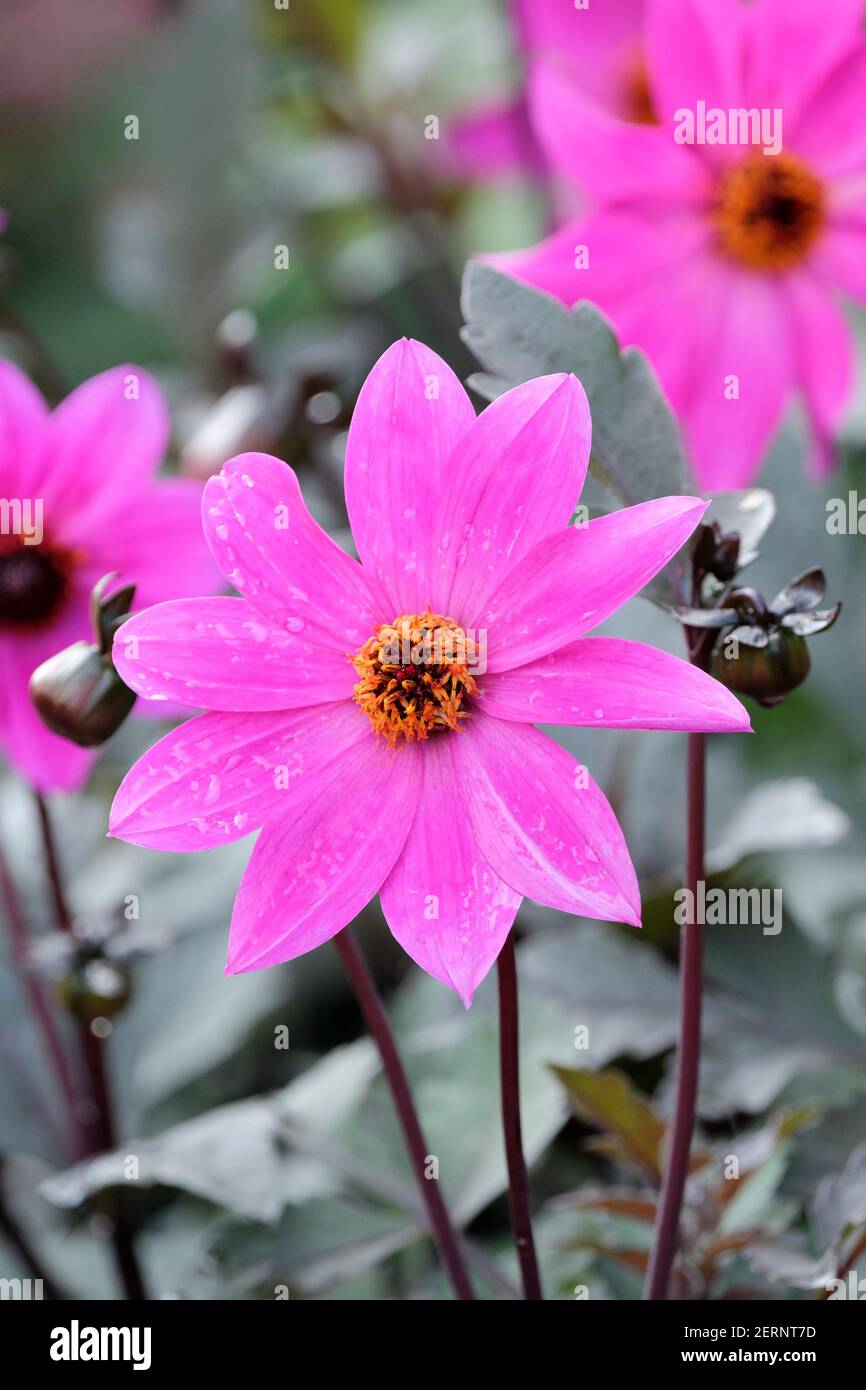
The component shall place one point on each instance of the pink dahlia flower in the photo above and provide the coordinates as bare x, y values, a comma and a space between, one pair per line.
722, 261
600, 47
375, 719
78, 499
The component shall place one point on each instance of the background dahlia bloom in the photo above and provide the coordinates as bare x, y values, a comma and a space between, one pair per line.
81, 479
720, 261
602, 50
414, 772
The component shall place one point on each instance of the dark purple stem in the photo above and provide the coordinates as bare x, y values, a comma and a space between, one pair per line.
509, 1071
666, 1235
371, 1006
100, 1132
689, 1048
40, 1009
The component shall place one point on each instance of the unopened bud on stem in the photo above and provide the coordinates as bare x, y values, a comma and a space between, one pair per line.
77, 692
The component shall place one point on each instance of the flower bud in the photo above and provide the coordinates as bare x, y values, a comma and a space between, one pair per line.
768, 672
94, 989
80, 696
717, 552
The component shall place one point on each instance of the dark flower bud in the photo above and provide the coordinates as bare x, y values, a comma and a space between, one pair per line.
768, 671
94, 989
77, 692
80, 696
716, 552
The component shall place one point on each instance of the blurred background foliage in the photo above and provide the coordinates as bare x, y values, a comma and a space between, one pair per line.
260, 1166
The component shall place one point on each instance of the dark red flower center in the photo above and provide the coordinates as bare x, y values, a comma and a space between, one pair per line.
33, 582
770, 211
640, 107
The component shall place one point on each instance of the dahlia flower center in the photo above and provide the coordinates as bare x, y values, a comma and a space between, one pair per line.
639, 97
33, 582
770, 211
416, 677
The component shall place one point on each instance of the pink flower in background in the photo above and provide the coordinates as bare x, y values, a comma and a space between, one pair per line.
724, 263
376, 718
602, 50
79, 499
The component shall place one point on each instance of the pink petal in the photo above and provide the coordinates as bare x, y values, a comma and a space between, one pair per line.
221, 776
554, 27
271, 550
613, 684
840, 259
411, 413
493, 141
155, 541
550, 265
747, 338
311, 873
830, 132
793, 47
220, 654
23, 416
543, 824
695, 53
611, 159
445, 905
108, 436
46, 761
824, 362
514, 478
574, 580
599, 46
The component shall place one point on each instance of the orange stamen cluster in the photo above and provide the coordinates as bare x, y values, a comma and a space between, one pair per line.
770, 212
415, 677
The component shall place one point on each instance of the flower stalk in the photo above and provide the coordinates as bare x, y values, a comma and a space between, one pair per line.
371, 1007
40, 1009
689, 1046
100, 1132
666, 1234
509, 1070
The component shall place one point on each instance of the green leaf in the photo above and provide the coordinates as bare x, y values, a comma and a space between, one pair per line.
785, 982
241, 1156
789, 814
783, 1262
605, 994
840, 1201
608, 1100
751, 1202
